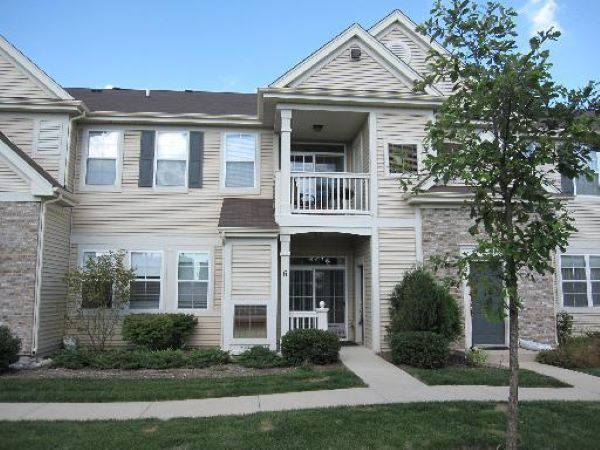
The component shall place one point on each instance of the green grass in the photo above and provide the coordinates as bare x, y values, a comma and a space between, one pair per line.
594, 371
481, 376
466, 425
90, 390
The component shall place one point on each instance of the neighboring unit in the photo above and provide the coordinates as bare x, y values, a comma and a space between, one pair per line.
249, 210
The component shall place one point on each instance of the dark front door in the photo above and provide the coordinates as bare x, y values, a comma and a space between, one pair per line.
488, 324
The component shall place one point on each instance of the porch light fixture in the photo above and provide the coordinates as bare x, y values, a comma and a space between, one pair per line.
317, 127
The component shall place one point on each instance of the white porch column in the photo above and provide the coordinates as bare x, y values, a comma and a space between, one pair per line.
284, 277
285, 147
322, 319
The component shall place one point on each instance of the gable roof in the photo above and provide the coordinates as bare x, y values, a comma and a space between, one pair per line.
398, 67
408, 25
41, 78
42, 182
164, 101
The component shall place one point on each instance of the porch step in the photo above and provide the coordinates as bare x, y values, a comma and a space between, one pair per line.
501, 357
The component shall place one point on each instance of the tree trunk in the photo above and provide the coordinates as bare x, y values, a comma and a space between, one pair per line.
512, 433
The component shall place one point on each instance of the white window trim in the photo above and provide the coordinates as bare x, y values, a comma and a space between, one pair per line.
210, 289
159, 188
420, 156
271, 316
588, 283
257, 161
83, 187
161, 301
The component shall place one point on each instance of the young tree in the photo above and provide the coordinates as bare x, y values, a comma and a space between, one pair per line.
508, 131
97, 295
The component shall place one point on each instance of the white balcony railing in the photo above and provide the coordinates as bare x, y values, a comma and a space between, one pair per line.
309, 319
329, 193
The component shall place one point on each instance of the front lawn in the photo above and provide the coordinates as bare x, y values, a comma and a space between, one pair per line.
594, 371
112, 390
488, 376
465, 425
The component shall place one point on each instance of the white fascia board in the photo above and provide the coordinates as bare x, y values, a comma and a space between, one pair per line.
39, 185
33, 70
399, 17
154, 118
402, 70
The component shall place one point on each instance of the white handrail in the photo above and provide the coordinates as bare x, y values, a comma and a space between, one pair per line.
329, 193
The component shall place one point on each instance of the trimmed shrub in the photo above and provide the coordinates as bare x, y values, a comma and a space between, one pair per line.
476, 357
420, 349
420, 303
310, 346
580, 352
139, 359
259, 357
158, 331
9, 348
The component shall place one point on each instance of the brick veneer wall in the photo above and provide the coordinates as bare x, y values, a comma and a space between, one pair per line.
444, 230
19, 224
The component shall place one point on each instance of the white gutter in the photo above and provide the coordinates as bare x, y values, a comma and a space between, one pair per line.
69, 137
38, 270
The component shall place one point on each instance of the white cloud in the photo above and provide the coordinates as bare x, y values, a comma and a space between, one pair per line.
542, 14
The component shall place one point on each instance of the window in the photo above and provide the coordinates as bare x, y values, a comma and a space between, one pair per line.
171, 158
250, 322
94, 293
145, 290
583, 186
240, 160
102, 157
192, 280
580, 278
402, 158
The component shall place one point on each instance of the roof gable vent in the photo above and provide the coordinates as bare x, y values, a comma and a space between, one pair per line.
401, 50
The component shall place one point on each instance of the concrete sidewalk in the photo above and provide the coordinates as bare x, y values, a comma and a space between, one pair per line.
386, 384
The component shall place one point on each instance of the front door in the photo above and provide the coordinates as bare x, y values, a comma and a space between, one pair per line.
313, 282
487, 311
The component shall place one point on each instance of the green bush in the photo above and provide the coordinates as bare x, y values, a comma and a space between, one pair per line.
139, 359
259, 357
420, 303
310, 346
158, 331
420, 349
564, 327
580, 352
9, 348
476, 357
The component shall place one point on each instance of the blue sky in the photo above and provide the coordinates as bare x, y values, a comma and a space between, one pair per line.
235, 45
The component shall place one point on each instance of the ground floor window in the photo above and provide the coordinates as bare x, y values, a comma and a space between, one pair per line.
192, 280
580, 280
250, 322
146, 289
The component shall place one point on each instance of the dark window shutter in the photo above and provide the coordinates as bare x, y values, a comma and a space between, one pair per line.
146, 159
196, 157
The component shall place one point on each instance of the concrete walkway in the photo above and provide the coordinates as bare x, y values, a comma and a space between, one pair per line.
386, 384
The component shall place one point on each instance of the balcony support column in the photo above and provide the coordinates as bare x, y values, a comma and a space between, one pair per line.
286, 150
284, 283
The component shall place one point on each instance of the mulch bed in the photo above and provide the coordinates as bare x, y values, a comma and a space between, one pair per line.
227, 370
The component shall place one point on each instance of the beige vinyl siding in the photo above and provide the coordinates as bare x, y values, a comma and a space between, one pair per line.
418, 60
343, 73
208, 330
10, 181
397, 254
250, 271
146, 210
21, 130
359, 150
398, 127
55, 265
15, 82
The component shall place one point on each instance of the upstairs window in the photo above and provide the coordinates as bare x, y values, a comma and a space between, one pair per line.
171, 158
580, 280
581, 185
102, 158
240, 160
146, 288
402, 158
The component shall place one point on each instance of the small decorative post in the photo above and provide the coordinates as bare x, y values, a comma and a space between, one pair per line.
322, 312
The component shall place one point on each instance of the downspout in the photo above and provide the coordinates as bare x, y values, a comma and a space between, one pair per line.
69, 149
38, 270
